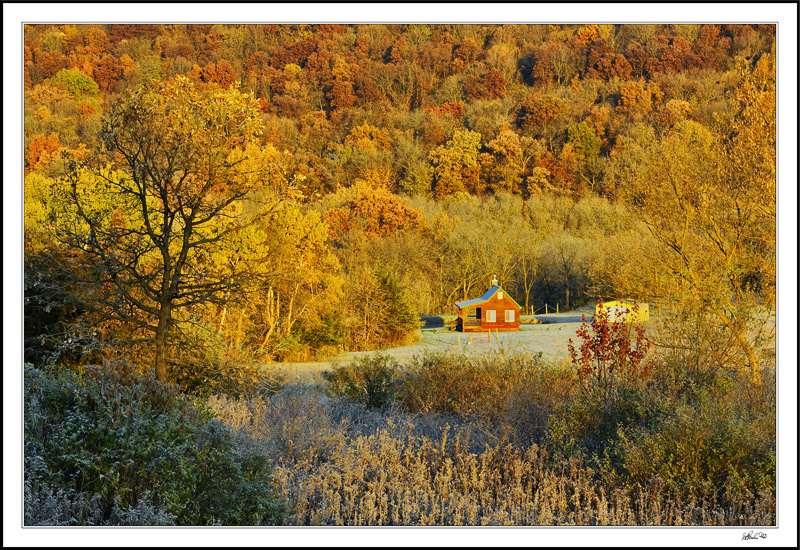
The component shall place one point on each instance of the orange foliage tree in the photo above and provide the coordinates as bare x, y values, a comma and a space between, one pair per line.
538, 110
639, 98
41, 151
377, 212
221, 73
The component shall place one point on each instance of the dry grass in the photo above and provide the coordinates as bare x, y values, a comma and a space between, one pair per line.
338, 464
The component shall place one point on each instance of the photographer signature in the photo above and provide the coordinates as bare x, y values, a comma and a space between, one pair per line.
752, 536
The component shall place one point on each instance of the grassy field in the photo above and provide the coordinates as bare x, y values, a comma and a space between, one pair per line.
550, 337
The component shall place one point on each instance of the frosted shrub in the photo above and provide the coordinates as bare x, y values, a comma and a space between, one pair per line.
110, 447
369, 380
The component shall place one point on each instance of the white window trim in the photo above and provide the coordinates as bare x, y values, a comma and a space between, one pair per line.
509, 316
491, 316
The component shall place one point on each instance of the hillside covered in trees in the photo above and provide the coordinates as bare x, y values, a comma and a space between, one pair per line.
401, 167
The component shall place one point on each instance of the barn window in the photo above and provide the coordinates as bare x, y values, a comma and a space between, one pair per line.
499, 295
490, 316
509, 316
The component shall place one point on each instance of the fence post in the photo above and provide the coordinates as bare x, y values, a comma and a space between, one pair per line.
470, 338
556, 307
545, 309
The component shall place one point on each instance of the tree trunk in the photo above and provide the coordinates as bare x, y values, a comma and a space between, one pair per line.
224, 314
289, 321
566, 286
273, 312
741, 339
239, 330
164, 315
528, 286
222, 319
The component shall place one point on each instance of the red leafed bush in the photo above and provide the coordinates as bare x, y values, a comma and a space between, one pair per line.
611, 351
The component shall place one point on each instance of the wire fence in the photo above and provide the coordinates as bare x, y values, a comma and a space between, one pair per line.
545, 309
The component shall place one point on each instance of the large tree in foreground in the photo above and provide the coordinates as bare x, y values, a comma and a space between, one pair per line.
157, 213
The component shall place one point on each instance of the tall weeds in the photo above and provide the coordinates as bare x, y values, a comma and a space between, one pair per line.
510, 442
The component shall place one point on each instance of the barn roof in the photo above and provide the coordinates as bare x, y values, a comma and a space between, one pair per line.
485, 298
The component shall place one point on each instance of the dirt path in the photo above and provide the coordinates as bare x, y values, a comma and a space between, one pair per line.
550, 338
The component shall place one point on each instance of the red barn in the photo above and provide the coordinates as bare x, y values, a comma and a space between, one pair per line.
495, 310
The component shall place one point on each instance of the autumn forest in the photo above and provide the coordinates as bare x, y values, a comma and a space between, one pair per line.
204, 202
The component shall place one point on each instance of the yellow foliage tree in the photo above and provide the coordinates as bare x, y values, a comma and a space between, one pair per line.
707, 196
293, 277
149, 229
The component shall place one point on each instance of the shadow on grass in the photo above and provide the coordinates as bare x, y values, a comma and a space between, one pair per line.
560, 318
436, 321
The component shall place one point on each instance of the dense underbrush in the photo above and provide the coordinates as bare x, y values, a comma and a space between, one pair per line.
509, 439
107, 446
445, 439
